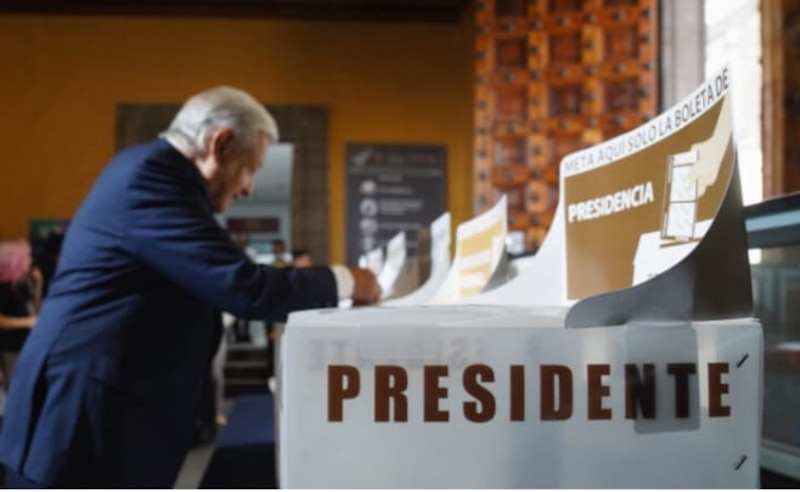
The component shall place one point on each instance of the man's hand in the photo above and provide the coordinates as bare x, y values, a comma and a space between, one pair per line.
365, 287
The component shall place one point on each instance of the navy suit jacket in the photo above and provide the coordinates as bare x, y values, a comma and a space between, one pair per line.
105, 388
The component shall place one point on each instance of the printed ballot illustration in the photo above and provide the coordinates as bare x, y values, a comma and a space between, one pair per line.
624, 355
619, 207
679, 214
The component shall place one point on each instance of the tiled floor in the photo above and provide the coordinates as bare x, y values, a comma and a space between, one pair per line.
196, 461
194, 467
195, 464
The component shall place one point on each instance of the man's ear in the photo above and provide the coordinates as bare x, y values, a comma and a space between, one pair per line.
221, 143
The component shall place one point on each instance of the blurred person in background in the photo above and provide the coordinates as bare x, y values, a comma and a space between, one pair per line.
21, 286
301, 258
279, 251
46, 251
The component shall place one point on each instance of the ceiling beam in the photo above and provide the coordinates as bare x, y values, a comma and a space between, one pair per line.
446, 11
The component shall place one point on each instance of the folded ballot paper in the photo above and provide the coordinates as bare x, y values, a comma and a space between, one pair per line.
622, 356
479, 259
393, 265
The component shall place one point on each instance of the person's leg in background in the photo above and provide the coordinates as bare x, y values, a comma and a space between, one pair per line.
9, 358
206, 419
241, 330
274, 331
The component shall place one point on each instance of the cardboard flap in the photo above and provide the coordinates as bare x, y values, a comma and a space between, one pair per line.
541, 283
408, 281
654, 221
501, 274
713, 282
436, 261
372, 260
480, 245
423, 255
392, 264
440, 247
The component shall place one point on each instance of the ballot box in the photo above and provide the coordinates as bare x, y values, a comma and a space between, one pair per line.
624, 354
505, 397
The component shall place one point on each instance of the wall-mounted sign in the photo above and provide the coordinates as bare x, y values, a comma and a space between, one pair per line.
392, 188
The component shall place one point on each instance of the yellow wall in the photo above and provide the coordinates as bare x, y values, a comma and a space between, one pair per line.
63, 76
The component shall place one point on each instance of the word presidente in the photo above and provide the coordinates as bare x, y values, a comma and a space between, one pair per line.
556, 390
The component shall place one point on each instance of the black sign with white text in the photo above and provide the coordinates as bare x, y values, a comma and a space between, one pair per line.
392, 188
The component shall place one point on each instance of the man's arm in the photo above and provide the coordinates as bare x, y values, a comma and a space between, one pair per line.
16, 322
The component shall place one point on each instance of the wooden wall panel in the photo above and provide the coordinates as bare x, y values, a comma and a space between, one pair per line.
552, 77
781, 102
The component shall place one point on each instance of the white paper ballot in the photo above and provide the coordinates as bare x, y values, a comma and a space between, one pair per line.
374, 260
393, 264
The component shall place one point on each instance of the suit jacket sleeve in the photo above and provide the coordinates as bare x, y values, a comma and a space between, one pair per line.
171, 229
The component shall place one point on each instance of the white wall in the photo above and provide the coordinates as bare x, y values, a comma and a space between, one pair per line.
733, 35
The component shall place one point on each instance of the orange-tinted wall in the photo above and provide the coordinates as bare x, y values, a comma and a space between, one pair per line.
63, 76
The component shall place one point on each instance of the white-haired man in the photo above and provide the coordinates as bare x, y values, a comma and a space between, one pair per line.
107, 384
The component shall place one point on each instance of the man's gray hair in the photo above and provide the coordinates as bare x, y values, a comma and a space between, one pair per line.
217, 108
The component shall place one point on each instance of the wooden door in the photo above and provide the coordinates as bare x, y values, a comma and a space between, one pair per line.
552, 77
781, 104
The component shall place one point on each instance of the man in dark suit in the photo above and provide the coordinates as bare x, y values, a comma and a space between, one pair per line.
106, 386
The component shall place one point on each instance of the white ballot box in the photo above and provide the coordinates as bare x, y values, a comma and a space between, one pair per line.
645, 373
501, 397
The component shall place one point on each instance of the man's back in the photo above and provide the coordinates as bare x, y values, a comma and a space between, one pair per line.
103, 295
109, 309
106, 386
